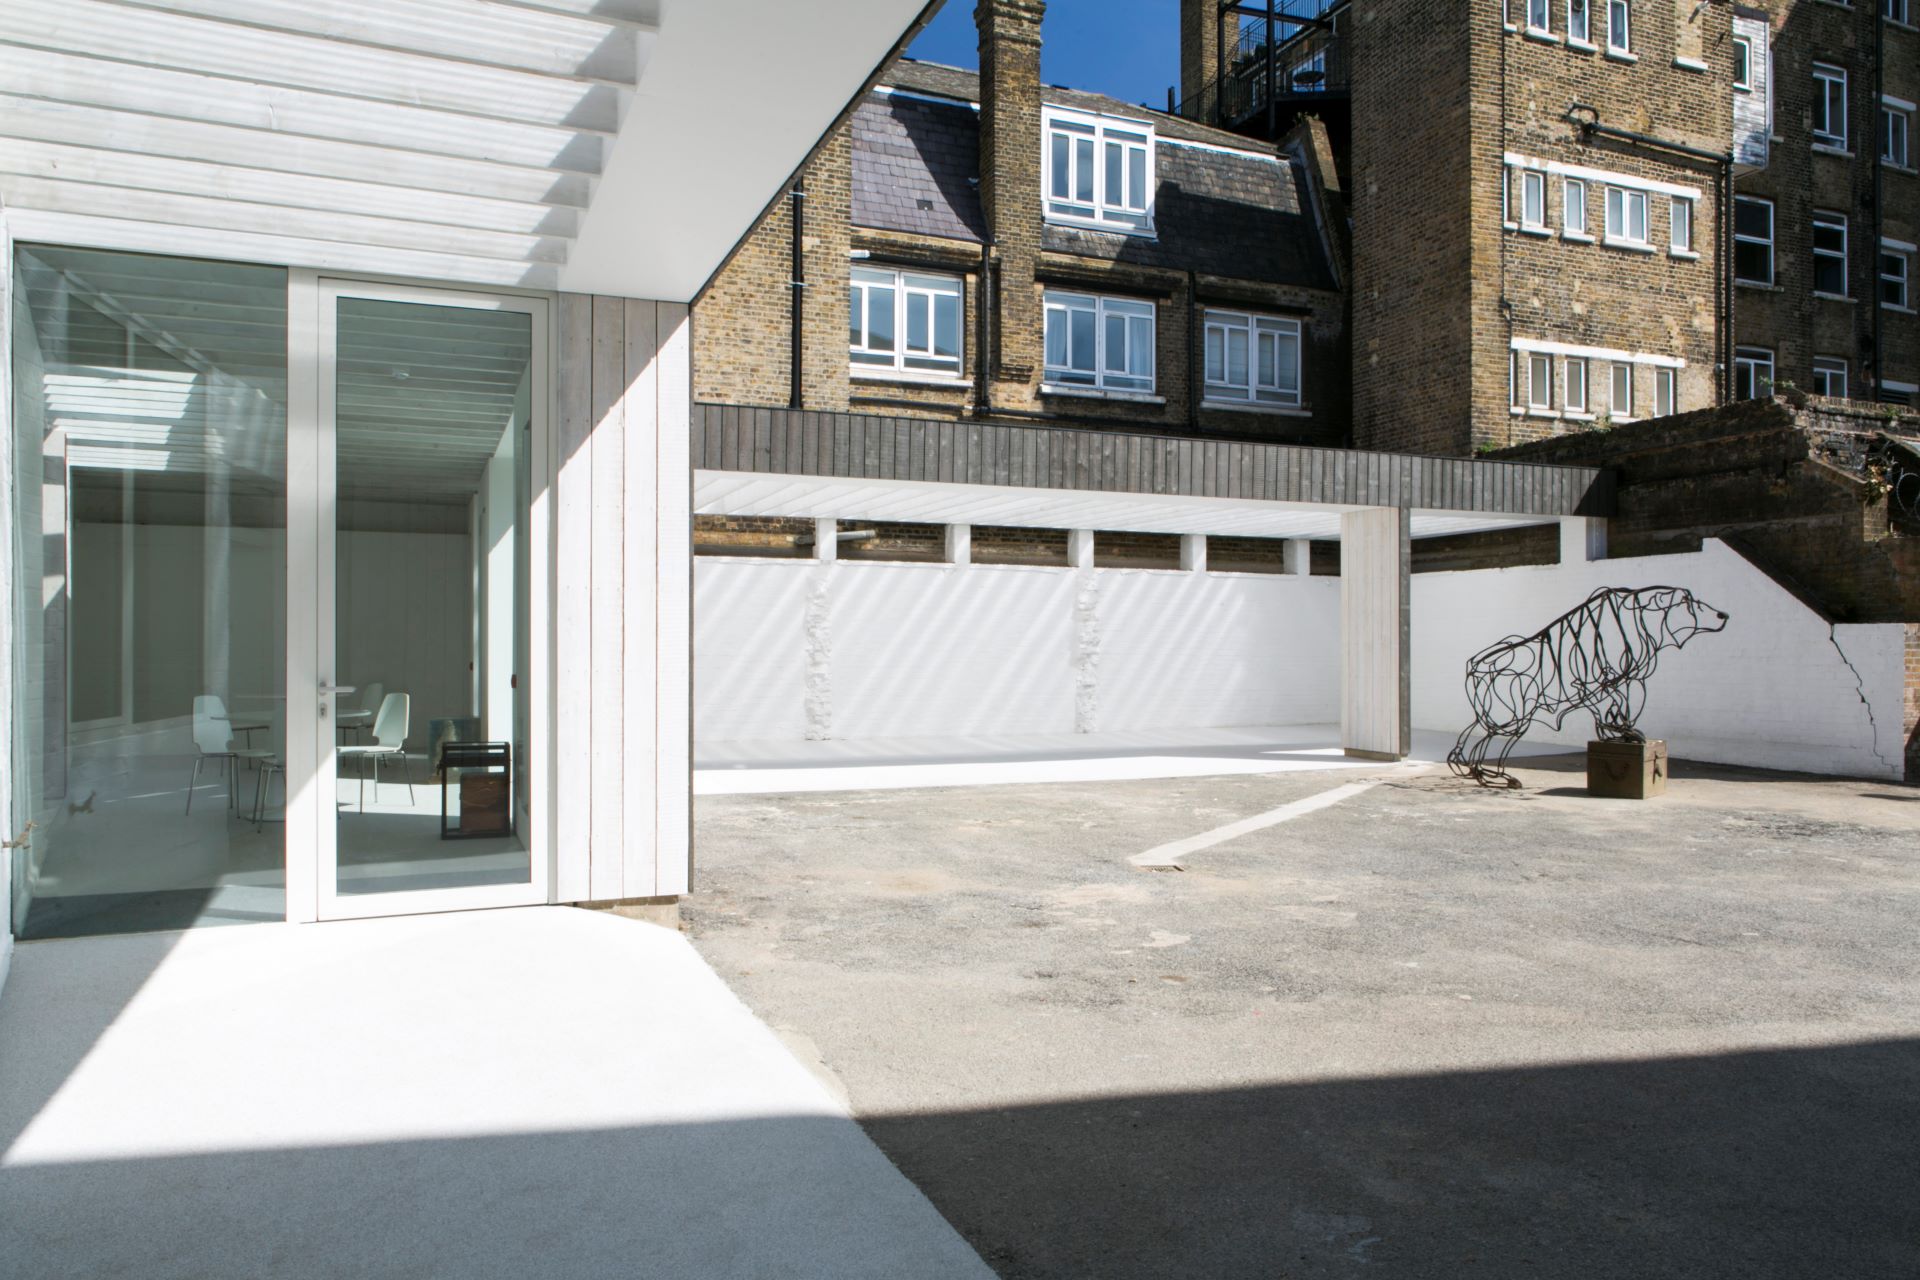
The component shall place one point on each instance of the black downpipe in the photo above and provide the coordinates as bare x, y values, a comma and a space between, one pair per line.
798, 287
1196, 356
1874, 317
983, 336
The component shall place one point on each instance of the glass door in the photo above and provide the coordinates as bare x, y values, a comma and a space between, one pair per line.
428, 451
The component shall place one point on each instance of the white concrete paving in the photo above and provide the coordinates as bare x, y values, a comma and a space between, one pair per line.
543, 1092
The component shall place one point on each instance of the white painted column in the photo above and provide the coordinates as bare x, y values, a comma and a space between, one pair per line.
1376, 704
1193, 552
1582, 538
826, 540
959, 544
1298, 557
1080, 548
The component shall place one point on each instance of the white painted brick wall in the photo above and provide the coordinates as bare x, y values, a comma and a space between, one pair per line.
1771, 691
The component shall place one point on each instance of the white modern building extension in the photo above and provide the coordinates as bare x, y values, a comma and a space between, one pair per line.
347, 374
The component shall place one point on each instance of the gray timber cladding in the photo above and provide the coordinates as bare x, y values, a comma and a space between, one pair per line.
870, 447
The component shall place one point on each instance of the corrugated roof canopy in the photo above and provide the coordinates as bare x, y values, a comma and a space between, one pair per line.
540, 143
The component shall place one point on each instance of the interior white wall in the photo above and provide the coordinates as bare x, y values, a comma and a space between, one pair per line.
406, 620
498, 566
1778, 689
856, 650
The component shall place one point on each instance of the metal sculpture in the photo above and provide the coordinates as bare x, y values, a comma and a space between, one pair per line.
1595, 658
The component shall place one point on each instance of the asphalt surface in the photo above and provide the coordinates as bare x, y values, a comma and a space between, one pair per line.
1430, 1031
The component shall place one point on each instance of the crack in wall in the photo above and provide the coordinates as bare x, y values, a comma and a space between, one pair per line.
1860, 688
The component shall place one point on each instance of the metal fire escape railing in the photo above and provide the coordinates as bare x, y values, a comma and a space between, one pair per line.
1274, 54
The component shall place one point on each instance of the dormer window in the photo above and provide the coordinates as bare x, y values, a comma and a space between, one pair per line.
1099, 170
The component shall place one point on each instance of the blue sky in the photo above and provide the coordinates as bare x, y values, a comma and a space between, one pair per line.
1127, 48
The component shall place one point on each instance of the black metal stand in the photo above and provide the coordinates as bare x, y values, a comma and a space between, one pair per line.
489, 761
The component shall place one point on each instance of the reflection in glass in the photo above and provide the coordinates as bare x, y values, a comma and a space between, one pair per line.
432, 430
149, 424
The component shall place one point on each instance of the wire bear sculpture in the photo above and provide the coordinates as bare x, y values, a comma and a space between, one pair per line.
1595, 658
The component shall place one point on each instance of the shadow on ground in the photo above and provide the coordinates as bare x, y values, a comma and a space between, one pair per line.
1769, 1164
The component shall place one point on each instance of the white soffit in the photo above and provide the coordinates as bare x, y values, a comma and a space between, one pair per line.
613, 146
740, 493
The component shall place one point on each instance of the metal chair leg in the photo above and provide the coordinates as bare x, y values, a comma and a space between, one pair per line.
406, 767
194, 782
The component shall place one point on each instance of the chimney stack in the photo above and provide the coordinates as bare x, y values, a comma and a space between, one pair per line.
1010, 175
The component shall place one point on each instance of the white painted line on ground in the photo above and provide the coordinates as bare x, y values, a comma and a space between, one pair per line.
1170, 855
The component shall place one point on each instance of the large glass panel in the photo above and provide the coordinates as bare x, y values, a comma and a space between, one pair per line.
150, 421
432, 429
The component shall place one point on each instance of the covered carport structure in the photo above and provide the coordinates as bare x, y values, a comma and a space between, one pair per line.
836, 466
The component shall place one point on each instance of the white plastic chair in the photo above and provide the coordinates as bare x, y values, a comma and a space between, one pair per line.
213, 739
389, 740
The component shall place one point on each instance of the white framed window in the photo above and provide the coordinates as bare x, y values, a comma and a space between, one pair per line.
1540, 382
1752, 240
1896, 274
1626, 216
1253, 359
1513, 382
1099, 170
1533, 199
1830, 376
1664, 381
906, 321
1573, 207
1896, 130
1619, 26
1540, 15
1896, 11
1830, 254
1752, 373
1579, 23
1829, 106
1680, 225
1620, 403
1099, 342
1576, 396
1743, 64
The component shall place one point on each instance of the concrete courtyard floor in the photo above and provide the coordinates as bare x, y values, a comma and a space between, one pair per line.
1431, 1031
545, 1092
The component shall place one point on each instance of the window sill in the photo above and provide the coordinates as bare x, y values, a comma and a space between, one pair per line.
1898, 168
1509, 28
1541, 34
1536, 412
1573, 416
1837, 150
1758, 287
1579, 237
1687, 255
1617, 56
1109, 228
1834, 297
1543, 232
1691, 64
1582, 46
1099, 393
1631, 246
901, 378
1273, 410
1899, 311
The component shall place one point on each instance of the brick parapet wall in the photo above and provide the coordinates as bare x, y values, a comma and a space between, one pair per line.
1749, 473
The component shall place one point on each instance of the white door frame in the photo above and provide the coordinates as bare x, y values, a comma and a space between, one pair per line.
312, 505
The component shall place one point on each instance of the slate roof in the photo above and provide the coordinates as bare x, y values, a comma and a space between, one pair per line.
915, 167
914, 163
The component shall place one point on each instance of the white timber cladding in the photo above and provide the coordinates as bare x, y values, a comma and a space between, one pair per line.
1610, 177
14, 798
1375, 565
622, 584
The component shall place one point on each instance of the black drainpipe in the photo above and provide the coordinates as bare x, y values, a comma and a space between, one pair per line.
983, 335
1196, 356
798, 286
1879, 206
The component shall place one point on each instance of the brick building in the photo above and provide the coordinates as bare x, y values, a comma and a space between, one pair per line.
981, 246
1604, 210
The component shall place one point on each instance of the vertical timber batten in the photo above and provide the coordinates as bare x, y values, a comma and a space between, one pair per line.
623, 600
1376, 702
